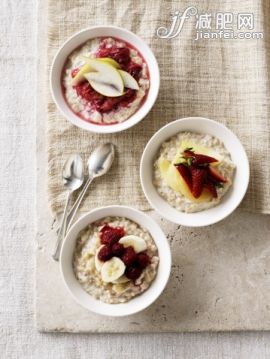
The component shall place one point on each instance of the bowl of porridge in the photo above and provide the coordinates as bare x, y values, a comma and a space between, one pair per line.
104, 79
115, 261
194, 171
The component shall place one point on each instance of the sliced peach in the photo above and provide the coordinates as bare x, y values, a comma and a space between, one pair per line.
174, 180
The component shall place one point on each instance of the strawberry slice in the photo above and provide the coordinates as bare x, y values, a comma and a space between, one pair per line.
199, 159
198, 175
211, 188
215, 175
185, 173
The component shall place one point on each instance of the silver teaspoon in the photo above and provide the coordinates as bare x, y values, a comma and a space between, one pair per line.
73, 175
99, 163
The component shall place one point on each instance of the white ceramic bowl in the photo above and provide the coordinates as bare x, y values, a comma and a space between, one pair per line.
78, 39
136, 304
231, 199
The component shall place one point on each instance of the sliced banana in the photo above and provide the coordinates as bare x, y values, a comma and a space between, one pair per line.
112, 270
121, 280
98, 263
136, 242
129, 81
119, 288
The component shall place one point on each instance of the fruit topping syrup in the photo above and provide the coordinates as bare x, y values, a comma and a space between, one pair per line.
102, 103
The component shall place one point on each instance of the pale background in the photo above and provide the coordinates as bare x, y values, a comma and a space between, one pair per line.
19, 338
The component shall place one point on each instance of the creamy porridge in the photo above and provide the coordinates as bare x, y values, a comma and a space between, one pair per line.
193, 171
105, 81
115, 259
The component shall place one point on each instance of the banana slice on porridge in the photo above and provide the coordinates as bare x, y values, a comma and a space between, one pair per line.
136, 242
124, 263
112, 270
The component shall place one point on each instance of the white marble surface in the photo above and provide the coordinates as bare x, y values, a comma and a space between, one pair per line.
19, 337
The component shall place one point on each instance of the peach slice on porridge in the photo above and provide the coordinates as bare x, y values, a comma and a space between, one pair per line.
193, 171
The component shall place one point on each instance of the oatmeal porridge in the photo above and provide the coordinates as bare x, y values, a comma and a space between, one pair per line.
105, 81
115, 259
193, 171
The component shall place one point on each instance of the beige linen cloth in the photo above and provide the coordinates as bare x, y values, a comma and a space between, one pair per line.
222, 79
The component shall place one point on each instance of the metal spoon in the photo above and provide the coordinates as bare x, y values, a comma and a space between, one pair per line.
99, 163
73, 174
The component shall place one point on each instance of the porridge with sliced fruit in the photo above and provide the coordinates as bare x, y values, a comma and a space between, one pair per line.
115, 259
105, 81
193, 171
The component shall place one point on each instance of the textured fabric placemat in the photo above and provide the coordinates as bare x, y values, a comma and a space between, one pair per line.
223, 79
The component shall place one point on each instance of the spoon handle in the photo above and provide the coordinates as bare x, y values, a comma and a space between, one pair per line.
77, 203
62, 230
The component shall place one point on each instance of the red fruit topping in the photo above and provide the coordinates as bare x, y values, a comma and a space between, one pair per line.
133, 272
84, 90
110, 235
82, 87
198, 159
134, 70
74, 72
100, 102
211, 188
143, 260
128, 95
118, 249
109, 104
129, 256
119, 54
198, 175
105, 253
103, 52
185, 173
104, 104
216, 175
112, 103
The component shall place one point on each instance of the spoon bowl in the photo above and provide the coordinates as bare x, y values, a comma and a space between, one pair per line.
100, 160
73, 172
